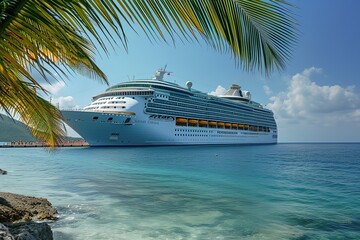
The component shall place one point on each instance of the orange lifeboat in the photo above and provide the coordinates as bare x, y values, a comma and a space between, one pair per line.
212, 123
203, 122
181, 121
240, 126
227, 125
193, 122
234, 125
220, 124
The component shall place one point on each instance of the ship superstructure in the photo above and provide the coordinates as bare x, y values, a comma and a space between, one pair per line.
157, 112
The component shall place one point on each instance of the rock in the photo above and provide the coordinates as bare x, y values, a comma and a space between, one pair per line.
16, 208
5, 233
2, 172
26, 231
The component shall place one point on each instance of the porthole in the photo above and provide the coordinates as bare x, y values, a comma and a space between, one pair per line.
110, 118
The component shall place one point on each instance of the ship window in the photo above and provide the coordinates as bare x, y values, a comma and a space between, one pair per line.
123, 107
127, 120
95, 118
110, 118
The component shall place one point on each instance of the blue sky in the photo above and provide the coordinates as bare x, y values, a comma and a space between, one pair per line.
315, 99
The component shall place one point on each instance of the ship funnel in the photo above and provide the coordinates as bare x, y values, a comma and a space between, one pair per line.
235, 90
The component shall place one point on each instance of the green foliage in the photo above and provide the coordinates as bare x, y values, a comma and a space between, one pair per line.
12, 130
57, 37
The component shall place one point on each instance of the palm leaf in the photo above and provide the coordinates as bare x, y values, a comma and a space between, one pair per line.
58, 37
259, 34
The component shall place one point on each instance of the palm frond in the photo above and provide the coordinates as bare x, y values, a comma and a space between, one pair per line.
259, 34
59, 36
20, 99
47, 37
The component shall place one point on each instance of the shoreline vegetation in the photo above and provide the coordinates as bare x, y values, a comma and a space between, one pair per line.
20, 216
66, 143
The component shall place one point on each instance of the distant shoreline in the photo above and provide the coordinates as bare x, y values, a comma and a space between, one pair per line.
21, 144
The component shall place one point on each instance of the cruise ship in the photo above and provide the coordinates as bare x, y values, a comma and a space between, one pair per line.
157, 112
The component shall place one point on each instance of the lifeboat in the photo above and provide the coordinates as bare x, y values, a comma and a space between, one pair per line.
181, 121
234, 125
212, 123
220, 124
193, 121
240, 126
246, 126
203, 122
227, 125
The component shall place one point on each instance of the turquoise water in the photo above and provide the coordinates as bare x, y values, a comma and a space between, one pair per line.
283, 191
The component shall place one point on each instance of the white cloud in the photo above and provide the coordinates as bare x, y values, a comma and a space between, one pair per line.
64, 102
356, 114
310, 71
307, 111
54, 88
305, 99
219, 91
267, 90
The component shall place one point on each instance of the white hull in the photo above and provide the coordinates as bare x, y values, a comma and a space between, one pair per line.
144, 131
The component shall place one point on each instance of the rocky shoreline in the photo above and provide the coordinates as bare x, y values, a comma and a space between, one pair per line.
18, 214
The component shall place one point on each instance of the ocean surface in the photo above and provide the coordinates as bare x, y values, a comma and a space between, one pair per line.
283, 191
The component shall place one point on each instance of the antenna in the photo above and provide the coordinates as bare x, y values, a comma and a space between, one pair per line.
159, 74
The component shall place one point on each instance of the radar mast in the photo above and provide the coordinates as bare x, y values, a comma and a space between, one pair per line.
159, 74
